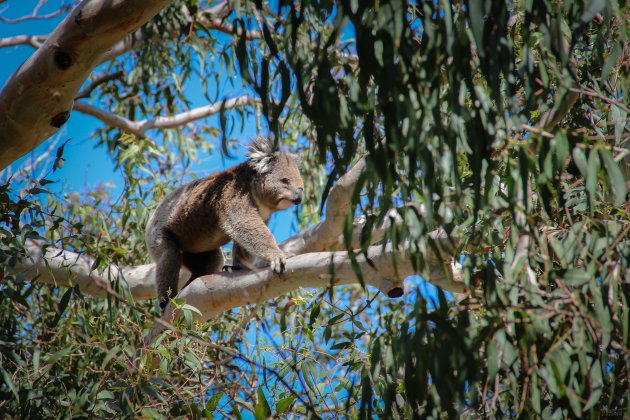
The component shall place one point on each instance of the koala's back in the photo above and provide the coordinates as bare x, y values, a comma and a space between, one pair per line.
191, 214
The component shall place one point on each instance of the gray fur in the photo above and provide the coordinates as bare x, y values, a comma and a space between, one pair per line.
192, 223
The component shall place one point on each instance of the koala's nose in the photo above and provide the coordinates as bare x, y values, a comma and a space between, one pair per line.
297, 199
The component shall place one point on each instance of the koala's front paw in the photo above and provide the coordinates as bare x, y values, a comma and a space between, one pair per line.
277, 263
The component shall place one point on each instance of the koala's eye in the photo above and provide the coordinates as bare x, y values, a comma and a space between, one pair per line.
285, 181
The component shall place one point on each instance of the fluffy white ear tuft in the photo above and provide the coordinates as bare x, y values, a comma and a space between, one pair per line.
262, 152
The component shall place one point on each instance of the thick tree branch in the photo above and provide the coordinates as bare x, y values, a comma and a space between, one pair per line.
38, 97
49, 265
325, 235
216, 293
66, 269
140, 128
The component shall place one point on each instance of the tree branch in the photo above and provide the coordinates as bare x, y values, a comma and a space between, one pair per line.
212, 18
130, 42
32, 40
35, 16
220, 25
66, 269
325, 235
216, 293
38, 97
108, 118
85, 93
49, 265
583, 90
140, 128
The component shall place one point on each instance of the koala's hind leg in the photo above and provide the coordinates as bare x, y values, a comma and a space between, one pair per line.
168, 261
203, 263
240, 259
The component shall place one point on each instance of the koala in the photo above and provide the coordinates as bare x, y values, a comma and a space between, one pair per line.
192, 222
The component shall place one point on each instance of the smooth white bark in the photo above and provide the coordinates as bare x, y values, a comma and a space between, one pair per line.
217, 293
61, 268
32, 40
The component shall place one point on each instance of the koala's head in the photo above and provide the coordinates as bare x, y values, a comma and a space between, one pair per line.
278, 183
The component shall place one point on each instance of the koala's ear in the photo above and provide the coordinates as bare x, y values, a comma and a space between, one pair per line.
262, 153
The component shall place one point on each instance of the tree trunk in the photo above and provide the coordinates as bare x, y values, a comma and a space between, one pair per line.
37, 99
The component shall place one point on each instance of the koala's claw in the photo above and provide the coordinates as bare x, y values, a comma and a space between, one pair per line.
230, 268
277, 264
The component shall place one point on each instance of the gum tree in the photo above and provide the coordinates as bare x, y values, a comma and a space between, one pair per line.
482, 145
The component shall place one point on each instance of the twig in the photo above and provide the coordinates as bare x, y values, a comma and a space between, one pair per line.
590, 92
537, 130
225, 27
35, 16
85, 93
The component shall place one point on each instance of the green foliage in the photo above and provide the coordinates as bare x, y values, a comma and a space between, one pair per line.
472, 109
507, 121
